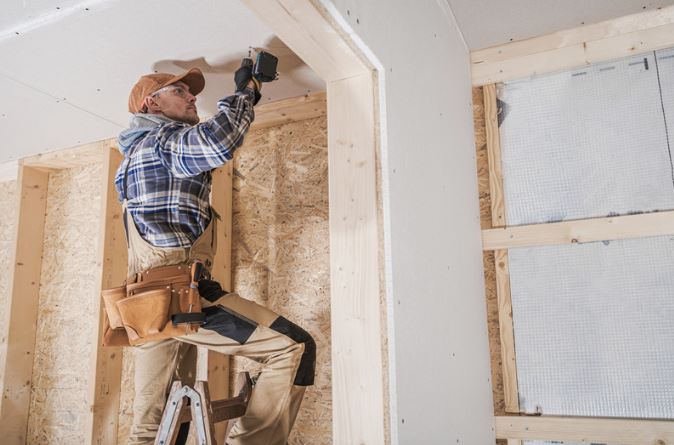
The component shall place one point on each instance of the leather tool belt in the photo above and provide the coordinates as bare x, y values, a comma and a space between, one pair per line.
153, 305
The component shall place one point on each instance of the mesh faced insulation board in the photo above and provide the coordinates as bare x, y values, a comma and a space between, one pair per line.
593, 328
590, 142
665, 66
556, 442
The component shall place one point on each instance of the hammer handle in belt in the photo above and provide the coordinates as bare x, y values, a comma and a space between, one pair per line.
193, 296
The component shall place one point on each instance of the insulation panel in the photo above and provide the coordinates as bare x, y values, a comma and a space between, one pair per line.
556, 442
665, 68
590, 142
593, 330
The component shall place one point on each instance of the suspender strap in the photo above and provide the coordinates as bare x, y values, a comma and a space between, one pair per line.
123, 191
126, 171
126, 225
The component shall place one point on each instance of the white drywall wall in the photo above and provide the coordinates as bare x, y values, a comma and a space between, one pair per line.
493, 22
441, 379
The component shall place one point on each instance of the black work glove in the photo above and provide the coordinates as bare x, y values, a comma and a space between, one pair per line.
243, 75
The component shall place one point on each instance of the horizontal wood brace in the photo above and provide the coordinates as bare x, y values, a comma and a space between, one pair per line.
580, 231
293, 109
586, 429
576, 47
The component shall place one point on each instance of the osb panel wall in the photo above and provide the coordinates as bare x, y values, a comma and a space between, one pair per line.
8, 206
488, 257
125, 397
58, 405
280, 253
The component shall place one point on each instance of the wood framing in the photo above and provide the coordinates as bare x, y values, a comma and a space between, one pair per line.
221, 201
580, 231
106, 363
290, 110
78, 156
357, 372
307, 29
494, 156
354, 270
505, 316
586, 430
218, 364
612, 39
506, 332
19, 327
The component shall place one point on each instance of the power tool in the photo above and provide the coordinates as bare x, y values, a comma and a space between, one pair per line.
264, 68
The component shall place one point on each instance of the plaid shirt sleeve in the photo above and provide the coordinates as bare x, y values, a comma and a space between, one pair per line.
190, 150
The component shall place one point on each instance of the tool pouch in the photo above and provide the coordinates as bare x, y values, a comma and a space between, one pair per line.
146, 307
110, 299
113, 328
146, 313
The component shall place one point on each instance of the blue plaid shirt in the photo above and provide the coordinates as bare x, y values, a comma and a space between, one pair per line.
168, 169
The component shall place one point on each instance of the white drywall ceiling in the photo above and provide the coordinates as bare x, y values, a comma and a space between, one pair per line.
68, 66
487, 23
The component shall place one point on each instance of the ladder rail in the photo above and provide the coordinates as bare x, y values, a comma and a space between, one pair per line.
201, 410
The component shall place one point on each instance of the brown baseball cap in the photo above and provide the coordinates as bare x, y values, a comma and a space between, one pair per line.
150, 83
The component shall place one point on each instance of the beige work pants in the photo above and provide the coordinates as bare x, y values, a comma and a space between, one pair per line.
234, 326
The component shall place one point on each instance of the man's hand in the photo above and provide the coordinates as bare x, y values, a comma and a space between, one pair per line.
243, 77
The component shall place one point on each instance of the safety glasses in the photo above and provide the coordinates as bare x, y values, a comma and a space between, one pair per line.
178, 90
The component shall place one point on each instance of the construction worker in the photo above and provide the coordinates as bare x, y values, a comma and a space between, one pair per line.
164, 183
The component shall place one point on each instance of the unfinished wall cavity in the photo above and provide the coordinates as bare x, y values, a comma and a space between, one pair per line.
280, 250
8, 206
280, 254
58, 406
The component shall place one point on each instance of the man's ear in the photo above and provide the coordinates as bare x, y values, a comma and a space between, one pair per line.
151, 104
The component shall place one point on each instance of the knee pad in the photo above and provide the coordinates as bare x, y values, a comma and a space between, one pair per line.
306, 369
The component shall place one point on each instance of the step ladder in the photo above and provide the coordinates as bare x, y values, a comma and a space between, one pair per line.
193, 404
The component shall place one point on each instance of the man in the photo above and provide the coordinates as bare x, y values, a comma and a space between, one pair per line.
164, 183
